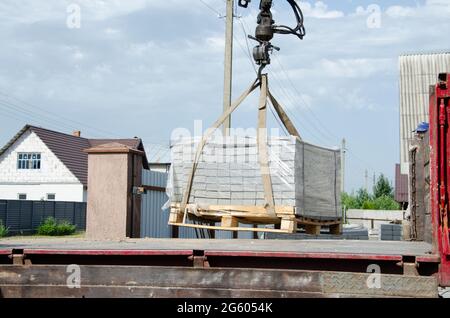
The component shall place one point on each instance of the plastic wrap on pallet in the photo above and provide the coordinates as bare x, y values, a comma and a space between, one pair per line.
228, 173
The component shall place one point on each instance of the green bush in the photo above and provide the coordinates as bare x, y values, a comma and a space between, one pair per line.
3, 230
50, 227
386, 203
65, 228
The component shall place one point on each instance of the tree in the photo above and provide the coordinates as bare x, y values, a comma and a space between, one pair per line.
363, 200
349, 201
383, 188
362, 196
386, 203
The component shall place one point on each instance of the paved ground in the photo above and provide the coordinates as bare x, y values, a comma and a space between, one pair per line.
303, 246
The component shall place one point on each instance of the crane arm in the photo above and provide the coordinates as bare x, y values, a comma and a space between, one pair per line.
266, 29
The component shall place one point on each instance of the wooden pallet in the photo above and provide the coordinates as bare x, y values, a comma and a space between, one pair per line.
230, 216
313, 226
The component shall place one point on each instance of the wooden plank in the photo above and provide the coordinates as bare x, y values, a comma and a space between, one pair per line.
284, 117
281, 209
312, 229
175, 216
244, 229
229, 221
307, 221
289, 225
263, 154
336, 229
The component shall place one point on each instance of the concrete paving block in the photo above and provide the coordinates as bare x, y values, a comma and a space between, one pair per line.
237, 195
199, 179
224, 187
212, 187
224, 201
236, 180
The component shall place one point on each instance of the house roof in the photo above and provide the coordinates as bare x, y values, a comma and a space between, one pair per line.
70, 149
401, 185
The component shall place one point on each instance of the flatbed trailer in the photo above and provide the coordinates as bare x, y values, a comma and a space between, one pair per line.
218, 268
246, 268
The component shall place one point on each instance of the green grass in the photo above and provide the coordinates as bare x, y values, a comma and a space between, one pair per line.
3, 230
76, 235
50, 227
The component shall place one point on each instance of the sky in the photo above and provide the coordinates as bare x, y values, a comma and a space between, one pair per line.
147, 67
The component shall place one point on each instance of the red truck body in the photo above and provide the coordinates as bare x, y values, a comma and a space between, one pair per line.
440, 172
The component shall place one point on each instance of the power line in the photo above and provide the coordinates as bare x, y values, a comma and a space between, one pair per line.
242, 22
307, 119
285, 93
219, 15
279, 121
247, 44
59, 117
301, 97
29, 115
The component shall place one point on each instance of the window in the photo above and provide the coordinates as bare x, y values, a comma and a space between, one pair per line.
51, 196
22, 196
29, 161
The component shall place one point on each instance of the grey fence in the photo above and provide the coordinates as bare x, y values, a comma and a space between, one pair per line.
154, 219
25, 216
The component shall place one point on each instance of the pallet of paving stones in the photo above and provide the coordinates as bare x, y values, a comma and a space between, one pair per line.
230, 217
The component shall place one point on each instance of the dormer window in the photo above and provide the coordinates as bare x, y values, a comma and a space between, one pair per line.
30, 160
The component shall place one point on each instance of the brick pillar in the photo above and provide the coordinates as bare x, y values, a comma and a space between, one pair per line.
113, 212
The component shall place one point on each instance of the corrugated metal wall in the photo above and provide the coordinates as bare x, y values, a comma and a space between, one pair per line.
417, 73
154, 219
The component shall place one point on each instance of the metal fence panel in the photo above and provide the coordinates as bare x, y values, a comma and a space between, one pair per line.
13, 216
3, 206
80, 215
26, 216
154, 219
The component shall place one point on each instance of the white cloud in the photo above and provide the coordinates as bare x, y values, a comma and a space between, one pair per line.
319, 10
399, 11
356, 68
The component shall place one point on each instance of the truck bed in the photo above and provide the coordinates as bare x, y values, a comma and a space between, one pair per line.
345, 247
216, 268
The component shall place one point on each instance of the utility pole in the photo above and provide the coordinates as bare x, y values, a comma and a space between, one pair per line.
228, 65
367, 180
343, 150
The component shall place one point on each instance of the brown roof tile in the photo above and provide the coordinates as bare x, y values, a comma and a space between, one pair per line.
69, 148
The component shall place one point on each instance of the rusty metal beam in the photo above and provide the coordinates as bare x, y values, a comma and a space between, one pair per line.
144, 281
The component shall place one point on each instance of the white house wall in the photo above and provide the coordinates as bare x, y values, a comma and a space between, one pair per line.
53, 177
63, 192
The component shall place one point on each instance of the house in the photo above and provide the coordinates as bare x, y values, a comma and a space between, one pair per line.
401, 187
42, 164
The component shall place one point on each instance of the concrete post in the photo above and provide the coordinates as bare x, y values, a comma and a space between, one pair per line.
113, 211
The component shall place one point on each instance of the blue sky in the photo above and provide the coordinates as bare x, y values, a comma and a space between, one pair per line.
145, 67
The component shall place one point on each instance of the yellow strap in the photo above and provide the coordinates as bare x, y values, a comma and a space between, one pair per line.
284, 117
263, 156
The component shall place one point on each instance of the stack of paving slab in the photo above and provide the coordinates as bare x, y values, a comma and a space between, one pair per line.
391, 232
358, 235
303, 175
